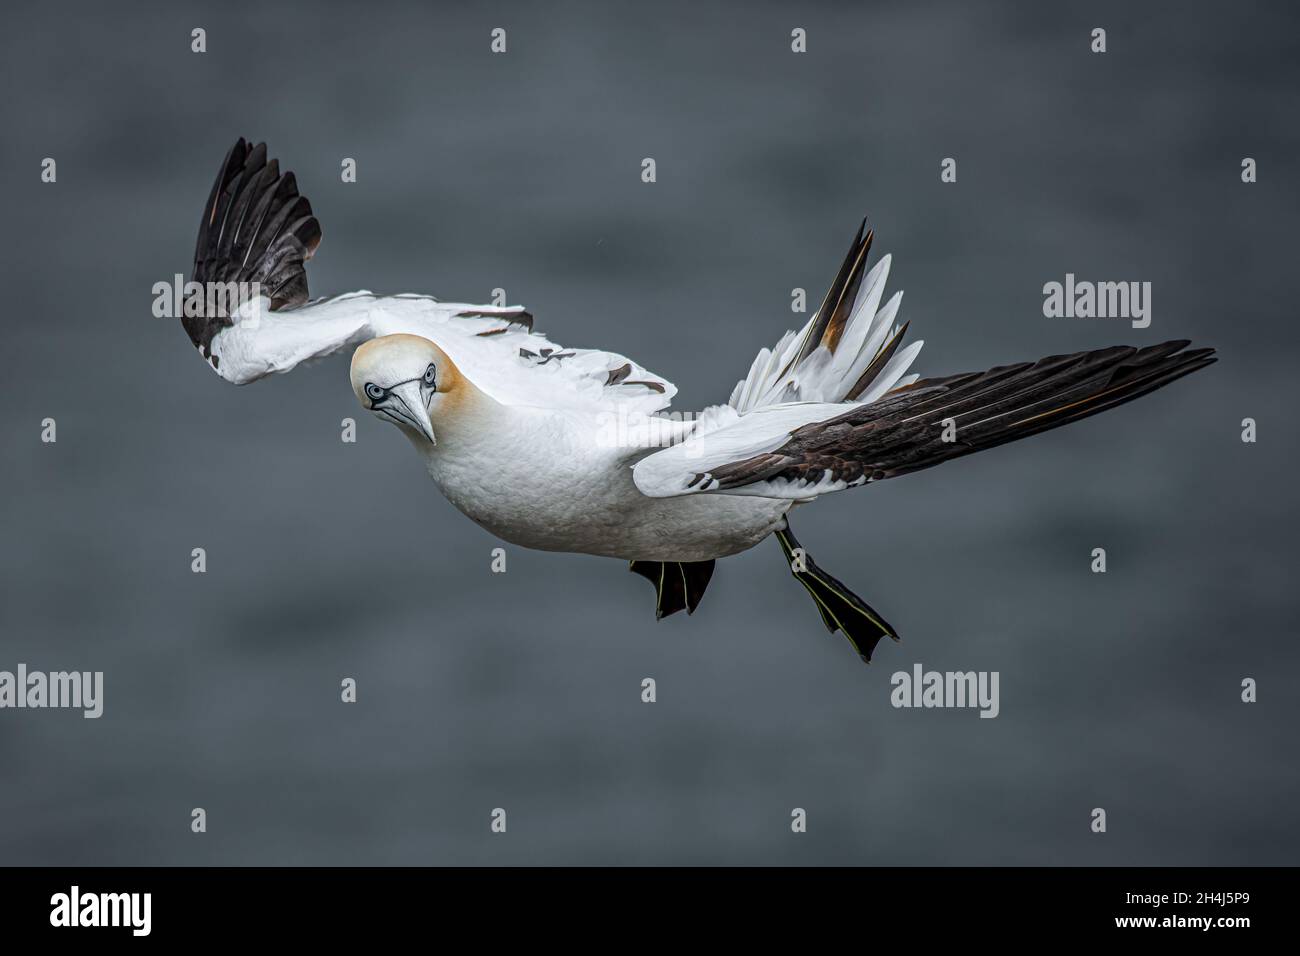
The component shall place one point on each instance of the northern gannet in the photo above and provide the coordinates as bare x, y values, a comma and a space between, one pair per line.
566, 449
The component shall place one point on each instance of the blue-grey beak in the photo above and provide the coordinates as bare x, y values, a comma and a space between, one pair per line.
406, 405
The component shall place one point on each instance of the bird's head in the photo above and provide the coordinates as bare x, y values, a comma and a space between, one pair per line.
407, 380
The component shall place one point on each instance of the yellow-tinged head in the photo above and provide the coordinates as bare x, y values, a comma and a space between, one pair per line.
407, 380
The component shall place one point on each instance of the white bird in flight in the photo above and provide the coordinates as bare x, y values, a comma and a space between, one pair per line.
565, 449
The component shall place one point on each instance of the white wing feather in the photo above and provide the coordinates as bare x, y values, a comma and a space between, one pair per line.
263, 342
721, 436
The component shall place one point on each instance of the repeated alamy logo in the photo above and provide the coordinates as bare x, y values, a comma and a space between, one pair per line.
76, 908
957, 689
178, 298
632, 429
75, 690
1073, 299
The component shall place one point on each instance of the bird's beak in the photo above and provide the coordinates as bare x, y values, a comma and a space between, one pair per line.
408, 405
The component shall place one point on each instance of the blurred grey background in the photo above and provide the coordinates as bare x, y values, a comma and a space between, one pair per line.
328, 560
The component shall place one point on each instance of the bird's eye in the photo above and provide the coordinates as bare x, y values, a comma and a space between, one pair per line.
374, 392
430, 375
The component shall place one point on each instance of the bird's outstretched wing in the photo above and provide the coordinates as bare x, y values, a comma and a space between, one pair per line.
801, 451
254, 240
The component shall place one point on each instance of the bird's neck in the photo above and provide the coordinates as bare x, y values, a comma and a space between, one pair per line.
464, 420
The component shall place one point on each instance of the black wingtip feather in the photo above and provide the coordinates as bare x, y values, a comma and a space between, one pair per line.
256, 228
904, 430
